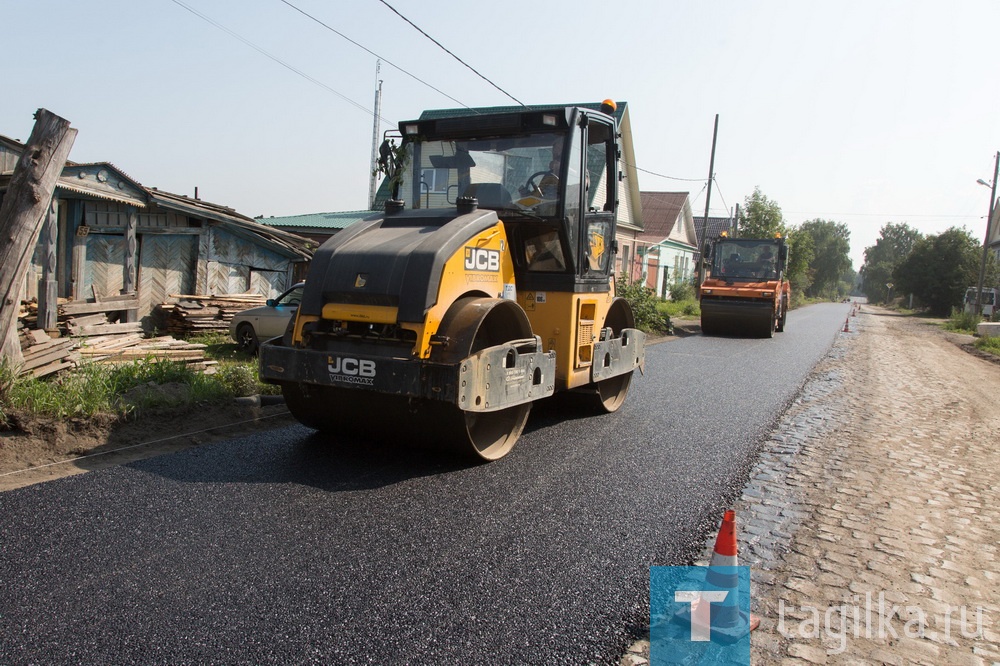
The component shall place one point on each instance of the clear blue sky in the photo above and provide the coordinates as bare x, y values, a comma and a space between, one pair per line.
862, 112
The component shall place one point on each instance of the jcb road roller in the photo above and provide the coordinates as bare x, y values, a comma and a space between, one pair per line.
486, 284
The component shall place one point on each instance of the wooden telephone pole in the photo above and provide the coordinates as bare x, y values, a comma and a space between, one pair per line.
708, 199
25, 205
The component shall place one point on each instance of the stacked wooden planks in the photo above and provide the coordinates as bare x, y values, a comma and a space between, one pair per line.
44, 355
192, 313
124, 348
84, 333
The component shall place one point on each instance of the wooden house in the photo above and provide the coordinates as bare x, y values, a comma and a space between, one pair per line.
106, 234
665, 250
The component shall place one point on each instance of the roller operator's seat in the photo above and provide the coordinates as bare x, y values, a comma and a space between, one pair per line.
489, 195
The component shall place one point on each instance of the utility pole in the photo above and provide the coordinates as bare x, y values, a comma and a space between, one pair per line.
24, 208
373, 173
708, 199
986, 241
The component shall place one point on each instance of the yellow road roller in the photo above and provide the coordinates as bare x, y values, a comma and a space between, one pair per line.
487, 283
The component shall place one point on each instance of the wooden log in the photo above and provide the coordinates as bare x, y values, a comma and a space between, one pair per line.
143, 354
111, 341
75, 323
28, 196
44, 348
221, 297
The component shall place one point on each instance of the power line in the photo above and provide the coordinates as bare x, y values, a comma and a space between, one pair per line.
660, 175
441, 46
719, 190
278, 60
362, 107
886, 215
370, 52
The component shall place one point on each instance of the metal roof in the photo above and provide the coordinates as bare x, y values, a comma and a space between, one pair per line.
340, 220
448, 113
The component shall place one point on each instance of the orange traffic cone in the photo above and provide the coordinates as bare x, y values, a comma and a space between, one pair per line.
723, 620
726, 616
847, 325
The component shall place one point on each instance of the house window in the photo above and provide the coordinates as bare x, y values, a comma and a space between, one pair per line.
434, 180
625, 258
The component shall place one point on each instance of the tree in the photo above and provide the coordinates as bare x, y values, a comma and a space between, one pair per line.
894, 244
831, 256
800, 256
939, 269
760, 217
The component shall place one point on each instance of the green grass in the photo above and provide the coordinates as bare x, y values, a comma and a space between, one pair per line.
687, 309
221, 347
961, 322
125, 389
990, 345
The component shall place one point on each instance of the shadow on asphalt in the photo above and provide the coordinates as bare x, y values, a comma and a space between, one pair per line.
305, 457
334, 462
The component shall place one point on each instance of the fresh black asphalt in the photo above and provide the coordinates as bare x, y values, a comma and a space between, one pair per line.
285, 547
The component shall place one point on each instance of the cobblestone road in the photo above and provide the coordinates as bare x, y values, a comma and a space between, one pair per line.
872, 520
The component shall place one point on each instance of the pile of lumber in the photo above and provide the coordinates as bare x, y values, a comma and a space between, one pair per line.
44, 355
85, 333
123, 348
193, 314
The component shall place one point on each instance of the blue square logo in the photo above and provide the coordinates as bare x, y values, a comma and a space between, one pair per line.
699, 615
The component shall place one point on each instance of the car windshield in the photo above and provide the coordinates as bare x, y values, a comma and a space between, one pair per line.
291, 297
736, 260
518, 173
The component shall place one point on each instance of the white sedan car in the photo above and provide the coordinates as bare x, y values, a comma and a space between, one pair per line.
268, 321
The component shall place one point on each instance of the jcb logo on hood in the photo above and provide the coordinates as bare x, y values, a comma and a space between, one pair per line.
479, 259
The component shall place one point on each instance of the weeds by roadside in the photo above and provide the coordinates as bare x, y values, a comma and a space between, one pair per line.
990, 345
124, 389
645, 305
962, 322
680, 309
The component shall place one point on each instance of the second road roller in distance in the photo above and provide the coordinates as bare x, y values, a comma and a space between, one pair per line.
745, 290
486, 284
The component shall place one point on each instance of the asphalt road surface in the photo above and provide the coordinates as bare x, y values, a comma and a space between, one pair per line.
284, 548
